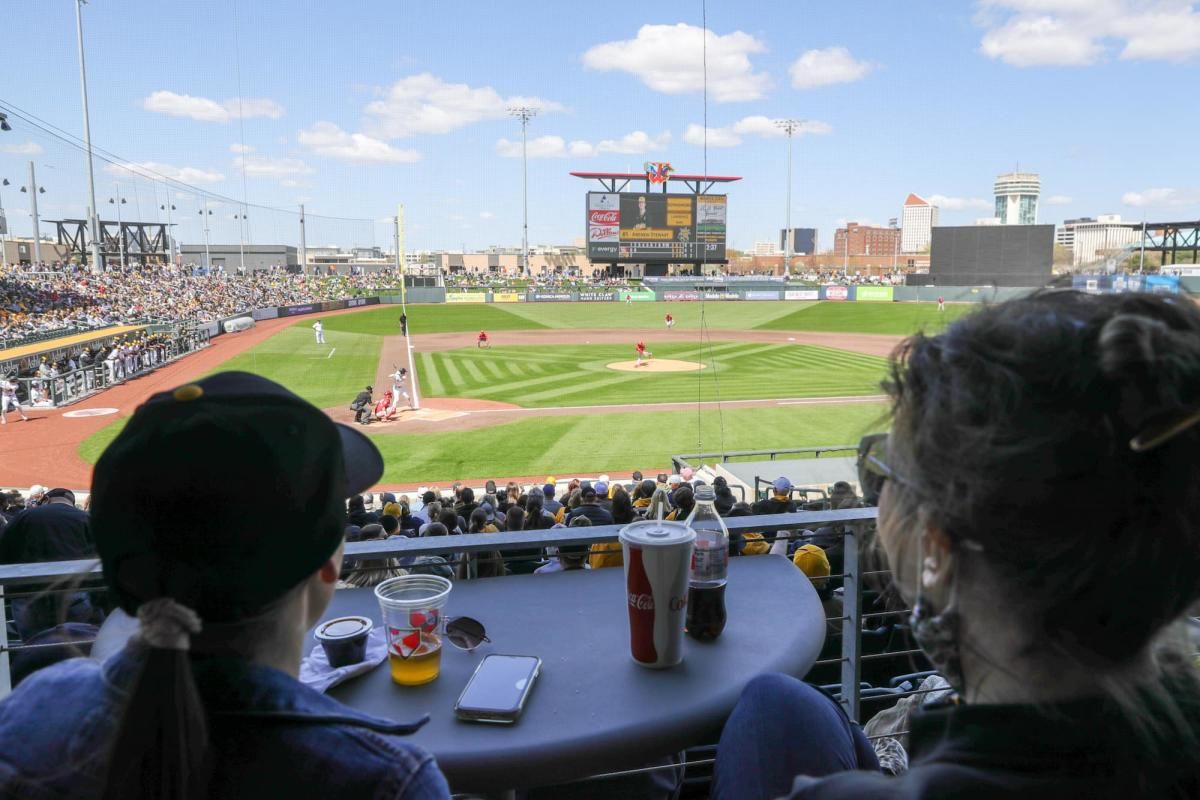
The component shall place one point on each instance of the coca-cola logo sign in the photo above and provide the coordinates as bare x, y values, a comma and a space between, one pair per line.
605, 217
645, 602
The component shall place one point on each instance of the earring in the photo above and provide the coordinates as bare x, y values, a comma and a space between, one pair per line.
937, 635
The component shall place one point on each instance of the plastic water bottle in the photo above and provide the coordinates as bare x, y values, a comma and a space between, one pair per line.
710, 568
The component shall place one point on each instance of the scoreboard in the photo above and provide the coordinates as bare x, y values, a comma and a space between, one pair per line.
655, 228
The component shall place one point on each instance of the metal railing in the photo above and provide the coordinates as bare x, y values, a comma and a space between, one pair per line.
24, 581
77, 384
687, 460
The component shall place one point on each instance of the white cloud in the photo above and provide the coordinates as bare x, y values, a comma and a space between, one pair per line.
153, 170
1163, 197
717, 137
486, 215
291, 183
547, 147
757, 125
669, 59
827, 67
240, 148
1028, 33
635, 143
960, 203
22, 149
327, 139
427, 104
270, 167
1059, 200
203, 109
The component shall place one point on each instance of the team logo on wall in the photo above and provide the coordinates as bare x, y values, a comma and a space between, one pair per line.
657, 171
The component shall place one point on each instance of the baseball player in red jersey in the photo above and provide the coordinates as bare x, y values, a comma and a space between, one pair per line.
483, 340
670, 321
642, 354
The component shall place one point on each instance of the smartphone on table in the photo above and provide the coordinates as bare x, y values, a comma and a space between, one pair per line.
498, 689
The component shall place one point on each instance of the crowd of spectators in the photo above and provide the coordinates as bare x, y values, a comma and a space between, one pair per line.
65, 296
564, 281
460, 510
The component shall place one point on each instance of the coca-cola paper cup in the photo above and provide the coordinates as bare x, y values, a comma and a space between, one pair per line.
658, 556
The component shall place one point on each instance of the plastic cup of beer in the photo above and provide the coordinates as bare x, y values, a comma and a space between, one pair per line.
412, 607
658, 559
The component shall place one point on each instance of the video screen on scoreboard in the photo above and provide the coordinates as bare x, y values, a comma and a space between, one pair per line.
650, 228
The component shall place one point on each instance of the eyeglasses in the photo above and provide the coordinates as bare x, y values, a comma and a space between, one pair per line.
873, 470
466, 633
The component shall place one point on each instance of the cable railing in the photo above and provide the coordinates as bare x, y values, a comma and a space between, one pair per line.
24, 583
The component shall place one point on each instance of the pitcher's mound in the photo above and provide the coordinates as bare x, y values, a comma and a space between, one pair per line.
658, 365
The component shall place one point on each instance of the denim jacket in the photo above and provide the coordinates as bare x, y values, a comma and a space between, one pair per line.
270, 735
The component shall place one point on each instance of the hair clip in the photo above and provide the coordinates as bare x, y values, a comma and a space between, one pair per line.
1148, 441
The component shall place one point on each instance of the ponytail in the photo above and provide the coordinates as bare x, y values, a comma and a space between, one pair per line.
160, 749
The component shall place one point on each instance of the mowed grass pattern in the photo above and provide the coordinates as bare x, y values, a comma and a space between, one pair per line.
590, 444
897, 319
578, 375
292, 358
385, 320
716, 315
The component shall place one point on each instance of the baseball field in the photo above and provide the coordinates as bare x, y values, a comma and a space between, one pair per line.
557, 390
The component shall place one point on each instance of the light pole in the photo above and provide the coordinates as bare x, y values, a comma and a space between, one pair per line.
119, 201
34, 190
3, 229
87, 139
524, 113
207, 258
169, 207
241, 221
788, 126
303, 244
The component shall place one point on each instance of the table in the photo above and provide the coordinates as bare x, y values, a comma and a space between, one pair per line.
593, 710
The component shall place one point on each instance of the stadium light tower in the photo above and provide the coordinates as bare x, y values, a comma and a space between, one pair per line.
87, 140
524, 113
789, 126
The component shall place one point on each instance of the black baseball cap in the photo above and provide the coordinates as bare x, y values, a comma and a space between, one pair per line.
223, 444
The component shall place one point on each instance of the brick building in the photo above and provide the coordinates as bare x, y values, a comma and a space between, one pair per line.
866, 240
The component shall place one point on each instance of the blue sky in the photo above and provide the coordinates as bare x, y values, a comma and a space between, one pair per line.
353, 108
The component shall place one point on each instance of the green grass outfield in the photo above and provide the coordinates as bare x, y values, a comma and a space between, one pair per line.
897, 319
594, 443
568, 375
292, 358
572, 375
886, 318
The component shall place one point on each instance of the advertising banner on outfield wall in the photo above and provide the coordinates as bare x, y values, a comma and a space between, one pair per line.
362, 301
873, 294
761, 295
595, 297
676, 296
466, 297
333, 305
265, 313
550, 297
638, 297
802, 294
836, 292
292, 311
507, 297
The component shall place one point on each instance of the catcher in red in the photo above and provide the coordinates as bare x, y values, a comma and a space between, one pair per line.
643, 355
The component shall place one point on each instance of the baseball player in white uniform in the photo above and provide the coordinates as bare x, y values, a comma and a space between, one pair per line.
398, 389
8, 401
319, 330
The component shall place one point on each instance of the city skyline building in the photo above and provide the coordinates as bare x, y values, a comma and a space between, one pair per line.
916, 224
1017, 195
865, 240
1105, 236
